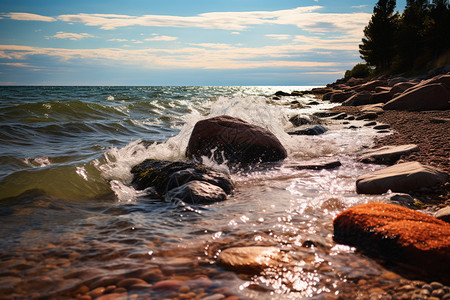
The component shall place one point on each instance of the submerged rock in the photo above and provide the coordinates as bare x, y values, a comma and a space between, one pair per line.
251, 260
234, 140
387, 154
396, 233
403, 177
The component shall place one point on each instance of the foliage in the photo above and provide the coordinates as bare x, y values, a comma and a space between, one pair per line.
359, 71
411, 42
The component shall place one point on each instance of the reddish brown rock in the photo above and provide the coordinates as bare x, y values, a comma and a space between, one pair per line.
428, 97
361, 98
397, 233
237, 140
401, 87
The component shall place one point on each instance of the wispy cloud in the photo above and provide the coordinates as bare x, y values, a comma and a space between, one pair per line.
71, 36
199, 57
21, 65
360, 6
164, 38
20, 16
303, 17
279, 36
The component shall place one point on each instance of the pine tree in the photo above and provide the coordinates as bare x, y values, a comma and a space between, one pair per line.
377, 47
439, 34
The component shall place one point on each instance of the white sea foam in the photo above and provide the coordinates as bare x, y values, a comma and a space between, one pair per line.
337, 141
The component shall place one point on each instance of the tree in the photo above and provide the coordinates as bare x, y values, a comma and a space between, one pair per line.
439, 34
411, 36
377, 47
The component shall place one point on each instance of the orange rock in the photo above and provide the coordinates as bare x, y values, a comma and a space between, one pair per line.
397, 233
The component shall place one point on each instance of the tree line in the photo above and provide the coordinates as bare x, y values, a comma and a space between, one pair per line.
412, 42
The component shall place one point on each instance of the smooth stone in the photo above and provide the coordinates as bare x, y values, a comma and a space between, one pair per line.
97, 292
250, 260
168, 284
361, 98
235, 141
387, 154
433, 96
113, 296
402, 178
397, 233
130, 281
370, 124
443, 214
196, 192
316, 130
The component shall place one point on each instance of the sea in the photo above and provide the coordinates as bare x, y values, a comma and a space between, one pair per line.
71, 223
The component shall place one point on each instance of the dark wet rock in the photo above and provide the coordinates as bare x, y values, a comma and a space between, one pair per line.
404, 200
315, 165
397, 233
199, 173
197, 192
276, 98
443, 214
387, 154
316, 130
370, 124
326, 114
251, 260
382, 127
164, 176
403, 178
235, 140
281, 93
434, 96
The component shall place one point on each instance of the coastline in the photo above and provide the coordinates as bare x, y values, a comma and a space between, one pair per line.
430, 131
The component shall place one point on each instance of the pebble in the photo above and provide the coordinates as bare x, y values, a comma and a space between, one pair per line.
130, 281
113, 296
214, 297
168, 284
97, 292
184, 289
436, 285
438, 293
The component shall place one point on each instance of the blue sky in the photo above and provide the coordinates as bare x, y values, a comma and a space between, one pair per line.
175, 42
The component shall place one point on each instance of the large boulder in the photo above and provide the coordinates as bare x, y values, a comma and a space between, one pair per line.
433, 96
164, 176
370, 86
401, 87
402, 178
235, 140
339, 97
361, 98
387, 154
397, 233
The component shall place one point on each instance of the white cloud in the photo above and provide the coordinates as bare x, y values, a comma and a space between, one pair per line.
164, 38
360, 6
303, 17
117, 40
235, 32
71, 36
21, 65
279, 36
28, 17
198, 57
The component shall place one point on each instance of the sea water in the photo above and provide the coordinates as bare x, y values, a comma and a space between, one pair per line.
70, 218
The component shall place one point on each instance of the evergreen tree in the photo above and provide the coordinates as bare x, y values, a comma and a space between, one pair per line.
411, 37
377, 47
439, 34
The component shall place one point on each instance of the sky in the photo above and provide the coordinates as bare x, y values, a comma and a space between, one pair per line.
178, 42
